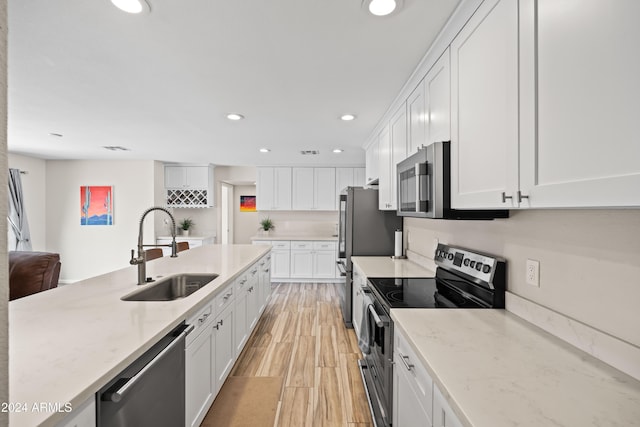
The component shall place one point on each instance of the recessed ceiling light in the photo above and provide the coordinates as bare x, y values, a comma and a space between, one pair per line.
235, 116
264, 150
338, 150
132, 6
347, 117
381, 7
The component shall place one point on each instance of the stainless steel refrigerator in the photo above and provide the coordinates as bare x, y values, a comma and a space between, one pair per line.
363, 230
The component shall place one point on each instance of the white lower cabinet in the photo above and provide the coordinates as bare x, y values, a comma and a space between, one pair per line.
264, 282
443, 415
303, 260
253, 297
199, 377
417, 401
241, 327
224, 350
81, 416
357, 299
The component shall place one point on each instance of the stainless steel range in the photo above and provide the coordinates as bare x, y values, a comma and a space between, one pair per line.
464, 279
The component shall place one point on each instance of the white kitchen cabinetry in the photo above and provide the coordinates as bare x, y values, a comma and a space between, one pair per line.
301, 259
82, 416
359, 280
428, 107
189, 185
443, 415
199, 375
484, 107
324, 260
314, 189
273, 189
241, 325
264, 281
372, 162
280, 259
579, 85
349, 177
224, 349
412, 387
194, 242
253, 297
393, 149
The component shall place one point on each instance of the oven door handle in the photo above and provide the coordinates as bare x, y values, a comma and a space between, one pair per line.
381, 321
343, 271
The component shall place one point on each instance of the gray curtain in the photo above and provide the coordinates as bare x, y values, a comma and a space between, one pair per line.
17, 215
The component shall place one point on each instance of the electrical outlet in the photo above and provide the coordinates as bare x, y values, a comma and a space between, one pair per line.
533, 273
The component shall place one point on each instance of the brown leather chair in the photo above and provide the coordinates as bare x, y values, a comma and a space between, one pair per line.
32, 272
183, 246
153, 253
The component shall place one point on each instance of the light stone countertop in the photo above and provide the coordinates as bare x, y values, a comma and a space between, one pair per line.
68, 342
190, 236
496, 370
294, 237
385, 266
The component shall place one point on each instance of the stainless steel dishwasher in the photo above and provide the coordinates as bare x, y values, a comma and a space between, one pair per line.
149, 392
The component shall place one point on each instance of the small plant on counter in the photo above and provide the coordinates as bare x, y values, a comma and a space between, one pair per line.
185, 225
266, 224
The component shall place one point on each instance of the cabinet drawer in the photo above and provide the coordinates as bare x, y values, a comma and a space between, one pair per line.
241, 282
302, 244
224, 298
281, 244
325, 246
405, 359
199, 321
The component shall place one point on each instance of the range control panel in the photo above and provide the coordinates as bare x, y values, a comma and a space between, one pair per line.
477, 265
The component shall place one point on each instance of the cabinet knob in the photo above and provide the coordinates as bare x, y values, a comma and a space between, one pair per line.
505, 197
521, 196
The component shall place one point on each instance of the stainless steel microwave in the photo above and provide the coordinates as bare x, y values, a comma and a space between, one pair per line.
424, 186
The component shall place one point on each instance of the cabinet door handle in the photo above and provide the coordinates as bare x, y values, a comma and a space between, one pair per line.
405, 361
521, 196
505, 197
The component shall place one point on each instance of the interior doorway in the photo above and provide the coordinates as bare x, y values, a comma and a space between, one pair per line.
226, 214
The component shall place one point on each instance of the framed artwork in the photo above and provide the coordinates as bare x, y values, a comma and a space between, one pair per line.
247, 203
96, 205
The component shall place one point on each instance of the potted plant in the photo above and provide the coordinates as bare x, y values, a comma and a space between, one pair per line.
266, 224
185, 225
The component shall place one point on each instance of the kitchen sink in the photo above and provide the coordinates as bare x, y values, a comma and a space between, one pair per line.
171, 288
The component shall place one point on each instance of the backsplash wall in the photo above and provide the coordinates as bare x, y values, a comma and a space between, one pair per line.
589, 260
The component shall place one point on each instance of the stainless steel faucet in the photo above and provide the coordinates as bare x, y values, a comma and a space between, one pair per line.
141, 259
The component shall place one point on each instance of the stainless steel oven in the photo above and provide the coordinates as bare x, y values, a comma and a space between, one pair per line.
424, 186
463, 279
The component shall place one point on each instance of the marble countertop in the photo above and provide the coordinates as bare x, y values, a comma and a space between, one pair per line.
385, 266
294, 237
496, 370
68, 342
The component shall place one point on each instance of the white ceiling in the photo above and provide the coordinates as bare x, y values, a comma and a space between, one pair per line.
160, 83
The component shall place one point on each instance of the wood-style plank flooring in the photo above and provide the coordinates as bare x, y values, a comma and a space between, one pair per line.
301, 337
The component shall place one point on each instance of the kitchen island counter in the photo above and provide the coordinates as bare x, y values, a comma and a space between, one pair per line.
496, 370
68, 342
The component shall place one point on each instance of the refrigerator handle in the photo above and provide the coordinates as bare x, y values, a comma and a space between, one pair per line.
343, 272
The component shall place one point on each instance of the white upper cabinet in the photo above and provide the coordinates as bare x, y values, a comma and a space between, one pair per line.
393, 149
484, 108
189, 186
580, 84
314, 189
273, 189
349, 177
324, 189
359, 177
428, 107
437, 87
417, 116
372, 162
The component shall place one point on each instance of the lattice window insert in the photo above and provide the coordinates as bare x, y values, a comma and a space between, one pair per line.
183, 198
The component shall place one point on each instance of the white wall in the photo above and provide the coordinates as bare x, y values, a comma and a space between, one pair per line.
589, 260
4, 276
302, 222
245, 224
87, 251
34, 189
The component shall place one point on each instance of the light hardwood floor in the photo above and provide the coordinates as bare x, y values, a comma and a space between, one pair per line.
301, 337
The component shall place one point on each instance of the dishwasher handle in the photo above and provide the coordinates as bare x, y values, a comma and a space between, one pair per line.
117, 395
